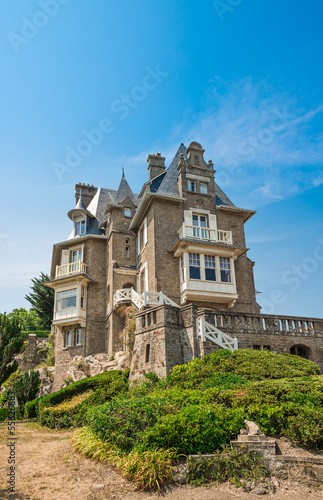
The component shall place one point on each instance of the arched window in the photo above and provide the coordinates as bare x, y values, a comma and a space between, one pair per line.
299, 350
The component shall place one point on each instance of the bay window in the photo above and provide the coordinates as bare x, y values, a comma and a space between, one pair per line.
66, 299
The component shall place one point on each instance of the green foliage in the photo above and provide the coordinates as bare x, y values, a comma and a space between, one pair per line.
10, 345
247, 363
98, 389
43, 334
26, 388
149, 470
197, 409
42, 300
28, 320
235, 466
4, 413
128, 333
50, 360
31, 408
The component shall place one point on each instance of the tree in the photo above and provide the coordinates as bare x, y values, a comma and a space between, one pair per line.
28, 320
11, 342
26, 389
42, 300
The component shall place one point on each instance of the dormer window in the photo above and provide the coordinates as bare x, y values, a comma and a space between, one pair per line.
80, 228
191, 186
127, 212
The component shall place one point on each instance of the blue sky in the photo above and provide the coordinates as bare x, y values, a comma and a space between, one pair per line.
244, 78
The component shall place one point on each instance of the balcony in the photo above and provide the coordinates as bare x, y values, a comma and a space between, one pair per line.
71, 315
205, 234
69, 269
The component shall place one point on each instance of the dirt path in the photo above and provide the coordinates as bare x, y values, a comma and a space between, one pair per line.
48, 469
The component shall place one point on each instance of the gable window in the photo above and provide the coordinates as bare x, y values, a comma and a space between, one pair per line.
68, 338
209, 262
66, 299
203, 188
80, 228
127, 212
199, 223
78, 336
225, 270
191, 186
195, 266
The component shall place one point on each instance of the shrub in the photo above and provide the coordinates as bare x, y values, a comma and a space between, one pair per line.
31, 409
4, 413
235, 466
149, 470
26, 388
103, 387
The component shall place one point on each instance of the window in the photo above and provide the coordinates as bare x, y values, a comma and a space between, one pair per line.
299, 351
182, 268
203, 188
225, 270
209, 262
143, 321
257, 347
127, 212
138, 242
127, 242
145, 236
195, 269
127, 253
154, 317
191, 186
66, 299
82, 297
77, 255
148, 319
68, 338
80, 228
147, 353
199, 223
78, 336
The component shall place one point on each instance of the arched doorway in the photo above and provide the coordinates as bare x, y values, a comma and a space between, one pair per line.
300, 350
128, 285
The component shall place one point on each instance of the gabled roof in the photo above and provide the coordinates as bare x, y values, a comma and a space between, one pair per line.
124, 191
101, 199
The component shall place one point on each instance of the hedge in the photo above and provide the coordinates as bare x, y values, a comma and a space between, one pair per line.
99, 389
4, 413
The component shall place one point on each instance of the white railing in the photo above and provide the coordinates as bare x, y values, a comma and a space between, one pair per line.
125, 295
71, 268
210, 332
66, 313
205, 234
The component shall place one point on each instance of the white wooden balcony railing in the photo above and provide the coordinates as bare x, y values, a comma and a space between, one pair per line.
71, 268
205, 234
71, 312
126, 295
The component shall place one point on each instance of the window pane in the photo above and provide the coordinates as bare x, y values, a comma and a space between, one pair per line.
209, 261
194, 261
127, 212
203, 188
202, 221
66, 298
225, 270
195, 273
210, 274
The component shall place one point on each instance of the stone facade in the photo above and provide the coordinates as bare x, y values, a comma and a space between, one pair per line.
177, 252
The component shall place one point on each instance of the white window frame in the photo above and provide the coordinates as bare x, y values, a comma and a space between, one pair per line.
80, 220
194, 263
223, 267
68, 338
186, 262
144, 273
145, 233
210, 259
58, 308
139, 242
127, 212
191, 185
78, 336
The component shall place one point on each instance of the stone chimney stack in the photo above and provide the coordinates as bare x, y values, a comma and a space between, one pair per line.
156, 165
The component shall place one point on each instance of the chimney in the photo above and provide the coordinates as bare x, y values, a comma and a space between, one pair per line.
156, 165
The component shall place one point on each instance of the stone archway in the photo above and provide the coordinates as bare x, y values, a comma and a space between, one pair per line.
300, 350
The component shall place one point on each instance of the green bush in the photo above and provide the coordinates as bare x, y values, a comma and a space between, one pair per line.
31, 408
235, 466
103, 387
26, 388
4, 413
